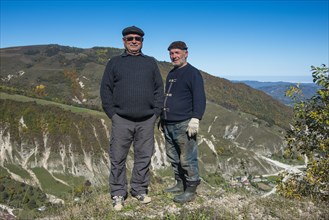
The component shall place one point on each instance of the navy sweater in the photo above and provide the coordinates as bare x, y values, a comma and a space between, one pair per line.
185, 96
132, 87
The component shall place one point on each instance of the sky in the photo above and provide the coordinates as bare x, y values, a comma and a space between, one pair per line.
259, 40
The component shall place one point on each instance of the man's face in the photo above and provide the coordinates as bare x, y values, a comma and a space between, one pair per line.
178, 57
133, 43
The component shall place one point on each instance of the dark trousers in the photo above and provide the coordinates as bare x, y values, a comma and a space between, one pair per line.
125, 133
182, 153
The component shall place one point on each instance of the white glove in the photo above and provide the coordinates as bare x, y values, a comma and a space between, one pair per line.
193, 127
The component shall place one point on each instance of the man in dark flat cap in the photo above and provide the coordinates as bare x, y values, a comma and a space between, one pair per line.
132, 97
184, 106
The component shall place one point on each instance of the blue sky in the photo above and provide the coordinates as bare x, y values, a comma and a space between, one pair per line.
238, 40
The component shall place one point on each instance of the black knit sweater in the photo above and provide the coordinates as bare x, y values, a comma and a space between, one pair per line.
185, 95
132, 87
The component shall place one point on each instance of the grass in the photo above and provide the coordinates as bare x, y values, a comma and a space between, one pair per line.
273, 179
18, 170
3, 172
70, 179
290, 161
49, 184
71, 108
165, 172
210, 203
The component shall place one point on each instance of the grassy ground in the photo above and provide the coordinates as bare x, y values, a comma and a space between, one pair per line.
210, 203
49, 184
19, 171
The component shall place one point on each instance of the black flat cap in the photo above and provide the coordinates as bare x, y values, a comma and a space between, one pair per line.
132, 30
177, 45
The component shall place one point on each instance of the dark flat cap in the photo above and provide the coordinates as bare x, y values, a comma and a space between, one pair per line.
132, 30
177, 45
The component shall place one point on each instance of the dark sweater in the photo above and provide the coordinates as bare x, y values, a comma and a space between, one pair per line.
132, 87
185, 95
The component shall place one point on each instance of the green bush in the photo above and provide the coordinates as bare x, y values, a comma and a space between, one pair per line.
309, 136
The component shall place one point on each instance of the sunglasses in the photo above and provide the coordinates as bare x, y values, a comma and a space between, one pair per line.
139, 39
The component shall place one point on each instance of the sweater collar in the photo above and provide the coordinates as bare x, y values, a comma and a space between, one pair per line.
125, 54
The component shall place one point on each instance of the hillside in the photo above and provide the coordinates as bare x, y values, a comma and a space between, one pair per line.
62, 138
62, 149
54, 135
72, 76
277, 89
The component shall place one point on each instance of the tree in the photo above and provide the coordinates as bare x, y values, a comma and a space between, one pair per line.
309, 136
40, 90
72, 76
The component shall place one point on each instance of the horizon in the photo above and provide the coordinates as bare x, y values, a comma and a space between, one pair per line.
237, 40
287, 78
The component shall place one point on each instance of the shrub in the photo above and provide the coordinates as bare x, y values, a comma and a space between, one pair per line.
309, 136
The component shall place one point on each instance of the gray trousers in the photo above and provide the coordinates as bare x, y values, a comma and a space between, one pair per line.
125, 133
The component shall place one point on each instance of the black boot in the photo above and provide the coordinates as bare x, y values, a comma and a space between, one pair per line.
179, 187
187, 196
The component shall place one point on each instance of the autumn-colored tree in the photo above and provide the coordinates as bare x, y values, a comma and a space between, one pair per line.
309, 136
72, 75
40, 90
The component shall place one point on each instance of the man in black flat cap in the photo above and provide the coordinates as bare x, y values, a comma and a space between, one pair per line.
184, 106
132, 97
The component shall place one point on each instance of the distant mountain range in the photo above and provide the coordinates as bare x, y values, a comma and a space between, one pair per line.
277, 89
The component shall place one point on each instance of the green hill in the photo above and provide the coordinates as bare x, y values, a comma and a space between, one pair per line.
72, 76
